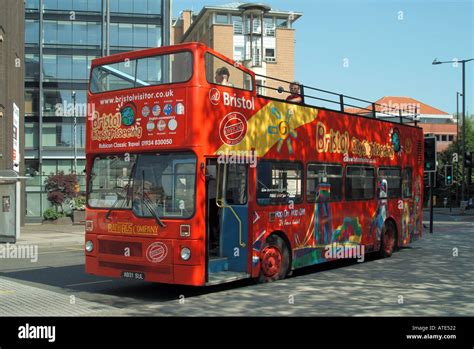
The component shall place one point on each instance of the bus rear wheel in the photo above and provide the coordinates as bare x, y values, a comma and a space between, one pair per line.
387, 245
274, 260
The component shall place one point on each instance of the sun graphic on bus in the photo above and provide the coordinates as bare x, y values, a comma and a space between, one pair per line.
283, 128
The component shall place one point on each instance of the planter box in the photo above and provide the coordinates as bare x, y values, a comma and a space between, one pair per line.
79, 217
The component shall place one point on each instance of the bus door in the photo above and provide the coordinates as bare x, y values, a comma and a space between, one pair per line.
227, 217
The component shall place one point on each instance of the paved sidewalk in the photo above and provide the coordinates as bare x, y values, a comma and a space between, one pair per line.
455, 211
51, 234
18, 299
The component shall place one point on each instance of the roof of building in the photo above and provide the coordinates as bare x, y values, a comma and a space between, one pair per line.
235, 7
394, 103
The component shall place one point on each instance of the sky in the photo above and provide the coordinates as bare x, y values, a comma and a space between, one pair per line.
374, 48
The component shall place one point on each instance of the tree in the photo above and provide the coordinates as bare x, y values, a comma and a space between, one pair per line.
61, 187
446, 157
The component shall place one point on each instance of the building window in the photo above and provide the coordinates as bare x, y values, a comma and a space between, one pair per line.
32, 4
79, 33
64, 33
31, 102
239, 54
50, 32
238, 25
279, 182
270, 55
31, 135
94, 5
269, 26
125, 6
32, 66
324, 173
282, 23
64, 67
139, 35
394, 180
93, 34
49, 67
31, 31
125, 35
154, 35
360, 183
450, 138
444, 138
221, 18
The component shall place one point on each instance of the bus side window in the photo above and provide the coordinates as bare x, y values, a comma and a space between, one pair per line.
324, 173
407, 183
279, 182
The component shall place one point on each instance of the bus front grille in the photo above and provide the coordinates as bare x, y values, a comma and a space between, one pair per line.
120, 248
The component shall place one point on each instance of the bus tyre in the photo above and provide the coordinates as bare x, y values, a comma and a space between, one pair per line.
387, 243
274, 260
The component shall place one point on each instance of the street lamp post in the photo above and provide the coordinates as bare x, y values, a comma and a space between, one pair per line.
74, 131
463, 144
457, 141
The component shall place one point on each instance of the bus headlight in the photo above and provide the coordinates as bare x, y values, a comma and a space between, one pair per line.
89, 246
185, 253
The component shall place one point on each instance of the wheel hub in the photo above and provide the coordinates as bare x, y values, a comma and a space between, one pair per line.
271, 258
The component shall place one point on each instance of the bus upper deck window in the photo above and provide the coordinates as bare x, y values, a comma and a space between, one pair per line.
222, 73
147, 71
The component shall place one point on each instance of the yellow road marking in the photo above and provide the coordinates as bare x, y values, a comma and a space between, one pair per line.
6, 292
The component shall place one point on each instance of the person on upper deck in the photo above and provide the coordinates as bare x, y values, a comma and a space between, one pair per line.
222, 76
295, 93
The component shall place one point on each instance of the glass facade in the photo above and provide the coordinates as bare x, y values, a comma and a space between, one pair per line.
70, 37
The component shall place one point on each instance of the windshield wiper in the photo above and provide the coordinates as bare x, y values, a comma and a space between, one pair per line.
107, 215
125, 198
148, 203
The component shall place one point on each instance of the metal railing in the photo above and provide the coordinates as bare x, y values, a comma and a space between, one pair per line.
344, 103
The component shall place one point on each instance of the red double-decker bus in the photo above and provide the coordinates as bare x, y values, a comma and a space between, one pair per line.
194, 179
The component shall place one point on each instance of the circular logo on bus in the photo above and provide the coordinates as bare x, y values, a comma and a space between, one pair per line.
161, 125
156, 110
233, 128
214, 96
128, 115
168, 109
172, 124
145, 111
156, 252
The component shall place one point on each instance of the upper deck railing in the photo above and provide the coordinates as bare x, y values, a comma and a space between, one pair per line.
343, 103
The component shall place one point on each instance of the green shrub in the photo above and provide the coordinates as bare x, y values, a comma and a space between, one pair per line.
51, 214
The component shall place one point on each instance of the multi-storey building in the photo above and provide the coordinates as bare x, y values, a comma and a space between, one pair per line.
259, 37
61, 39
12, 69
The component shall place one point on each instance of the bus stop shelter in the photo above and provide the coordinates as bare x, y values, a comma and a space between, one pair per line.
10, 193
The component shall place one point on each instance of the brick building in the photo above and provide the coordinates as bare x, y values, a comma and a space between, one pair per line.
259, 37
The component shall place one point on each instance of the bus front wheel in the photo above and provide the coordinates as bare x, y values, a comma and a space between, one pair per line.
274, 260
389, 234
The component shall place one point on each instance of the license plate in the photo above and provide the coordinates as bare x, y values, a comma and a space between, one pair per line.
133, 275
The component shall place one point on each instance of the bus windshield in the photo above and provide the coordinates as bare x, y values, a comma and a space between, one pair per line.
151, 185
147, 71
